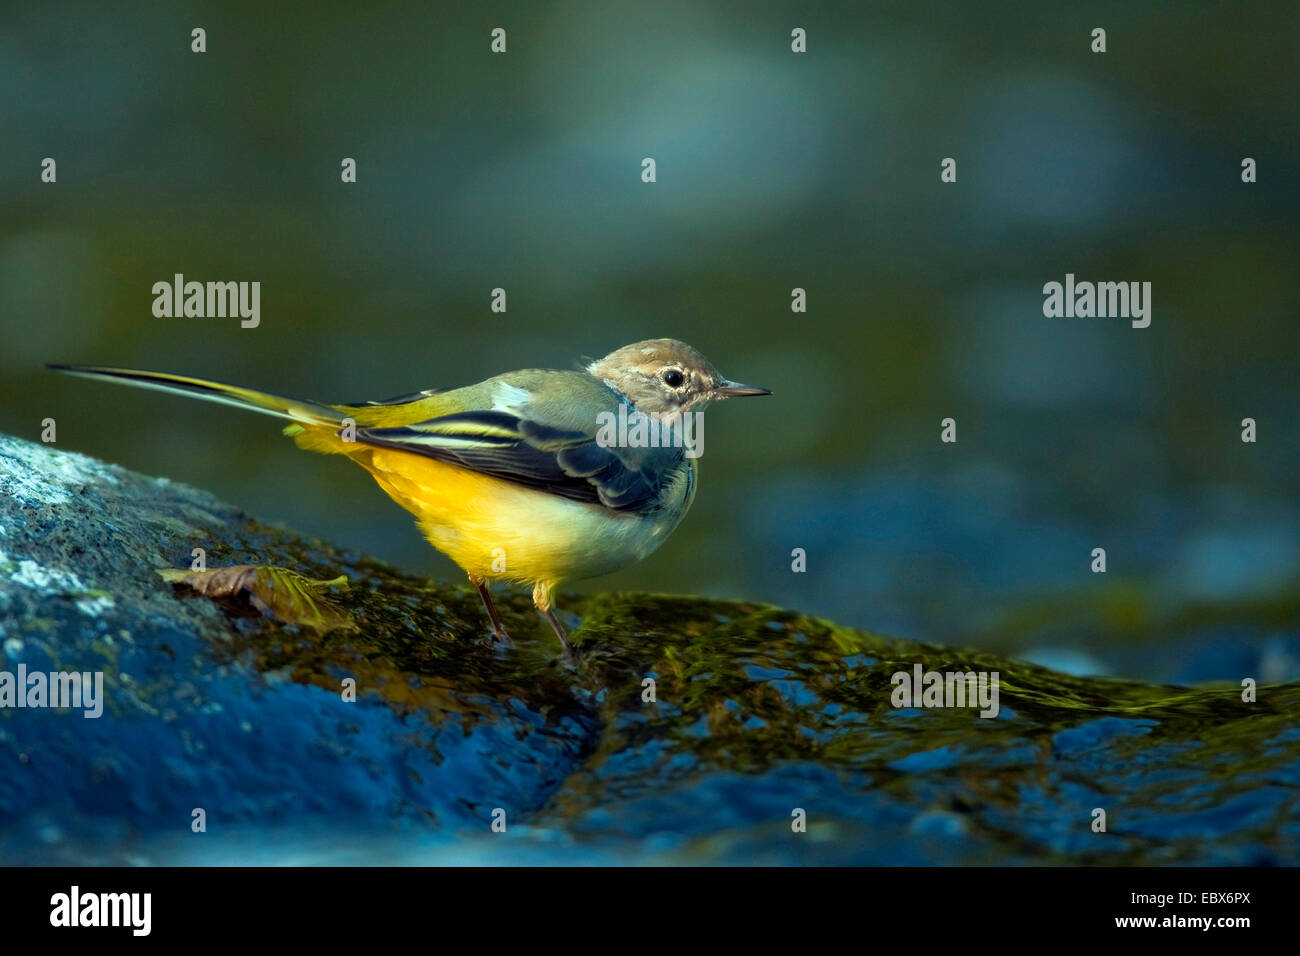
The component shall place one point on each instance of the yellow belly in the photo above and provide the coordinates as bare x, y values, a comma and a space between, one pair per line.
498, 529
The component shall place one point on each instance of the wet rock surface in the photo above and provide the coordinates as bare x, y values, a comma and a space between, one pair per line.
757, 712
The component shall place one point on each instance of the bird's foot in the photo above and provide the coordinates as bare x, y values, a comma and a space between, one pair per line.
496, 638
571, 657
499, 635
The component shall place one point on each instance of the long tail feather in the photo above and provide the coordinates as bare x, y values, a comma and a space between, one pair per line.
294, 409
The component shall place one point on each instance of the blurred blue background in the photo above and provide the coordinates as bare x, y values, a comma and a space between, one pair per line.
775, 171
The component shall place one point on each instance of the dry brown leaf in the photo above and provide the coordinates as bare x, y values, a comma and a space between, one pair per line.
284, 594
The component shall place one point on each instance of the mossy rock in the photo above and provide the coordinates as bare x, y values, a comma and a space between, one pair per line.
218, 703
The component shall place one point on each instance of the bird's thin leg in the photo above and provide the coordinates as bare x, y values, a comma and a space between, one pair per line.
558, 628
498, 629
542, 600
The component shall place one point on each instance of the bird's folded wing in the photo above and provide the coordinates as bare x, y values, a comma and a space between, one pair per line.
561, 461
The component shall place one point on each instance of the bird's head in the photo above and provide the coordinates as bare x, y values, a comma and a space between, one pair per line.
663, 377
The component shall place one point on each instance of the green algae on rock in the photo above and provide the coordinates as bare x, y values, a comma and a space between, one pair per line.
692, 730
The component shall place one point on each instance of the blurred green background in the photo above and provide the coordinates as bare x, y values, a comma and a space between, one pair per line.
775, 170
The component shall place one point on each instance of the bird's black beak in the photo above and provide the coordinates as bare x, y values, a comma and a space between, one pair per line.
736, 390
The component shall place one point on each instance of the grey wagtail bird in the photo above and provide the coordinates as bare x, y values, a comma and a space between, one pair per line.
515, 478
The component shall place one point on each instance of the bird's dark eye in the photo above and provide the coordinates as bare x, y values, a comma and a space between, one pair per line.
674, 378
